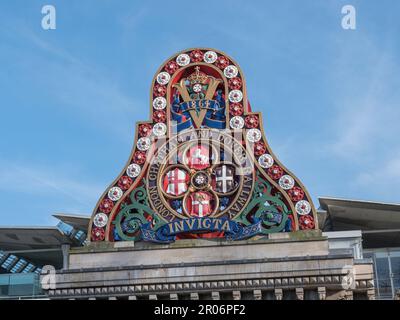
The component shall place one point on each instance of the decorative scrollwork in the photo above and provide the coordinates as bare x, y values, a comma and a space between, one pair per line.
264, 206
132, 216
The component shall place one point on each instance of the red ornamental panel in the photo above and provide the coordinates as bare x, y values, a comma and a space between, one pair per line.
98, 234
296, 194
106, 206
159, 116
199, 204
236, 109
259, 148
222, 62
145, 130
125, 182
251, 121
139, 157
171, 67
198, 157
235, 83
159, 90
306, 222
196, 55
275, 172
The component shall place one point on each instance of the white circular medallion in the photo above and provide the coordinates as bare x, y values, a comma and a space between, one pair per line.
133, 170
303, 207
230, 71
115, 193
100, 220
286, 182
210, 57
163, 78
159, 129
197, 87
183, 59
143, 144
266, 161
253, 135
237, 122
159, 103
235, 96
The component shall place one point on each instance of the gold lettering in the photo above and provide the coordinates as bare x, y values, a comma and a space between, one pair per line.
206, 223
226, 226
190, 223
216, 223
178, 225
235, 207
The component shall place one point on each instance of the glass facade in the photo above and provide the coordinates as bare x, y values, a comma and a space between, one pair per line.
387, 271
13, 264
74, 234
23, 285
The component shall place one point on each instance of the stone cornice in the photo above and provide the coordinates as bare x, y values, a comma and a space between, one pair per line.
330, 282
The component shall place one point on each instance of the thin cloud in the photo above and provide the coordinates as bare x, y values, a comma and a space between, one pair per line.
37, 180
384, 179
76, 86
366, 115
132, 18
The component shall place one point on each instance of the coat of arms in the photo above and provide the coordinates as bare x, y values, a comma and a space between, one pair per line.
201, 165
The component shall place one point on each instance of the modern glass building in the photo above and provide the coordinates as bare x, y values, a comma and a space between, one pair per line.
25, 250
379, 225
20, 286
387, 271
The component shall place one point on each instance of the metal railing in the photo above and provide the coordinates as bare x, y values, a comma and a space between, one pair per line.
386, 288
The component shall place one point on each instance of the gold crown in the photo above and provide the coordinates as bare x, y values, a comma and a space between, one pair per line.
198, 77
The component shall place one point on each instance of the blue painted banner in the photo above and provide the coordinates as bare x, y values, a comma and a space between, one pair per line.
214, 117
167, 233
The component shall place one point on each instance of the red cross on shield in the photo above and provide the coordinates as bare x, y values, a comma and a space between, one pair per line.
175, 182
199, 204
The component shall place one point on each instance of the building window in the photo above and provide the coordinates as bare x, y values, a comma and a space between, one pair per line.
383, 275
9, 262
387, 271
395, 269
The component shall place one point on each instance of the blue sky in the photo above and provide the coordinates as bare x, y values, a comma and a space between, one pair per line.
70, 97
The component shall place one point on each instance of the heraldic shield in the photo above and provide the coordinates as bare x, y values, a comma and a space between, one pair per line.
201, 167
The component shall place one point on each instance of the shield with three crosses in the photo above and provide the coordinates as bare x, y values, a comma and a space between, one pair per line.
199, 204
224, 180
175, 182
199, 157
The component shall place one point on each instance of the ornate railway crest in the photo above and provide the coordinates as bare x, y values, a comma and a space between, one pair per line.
202, 167
205, 173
